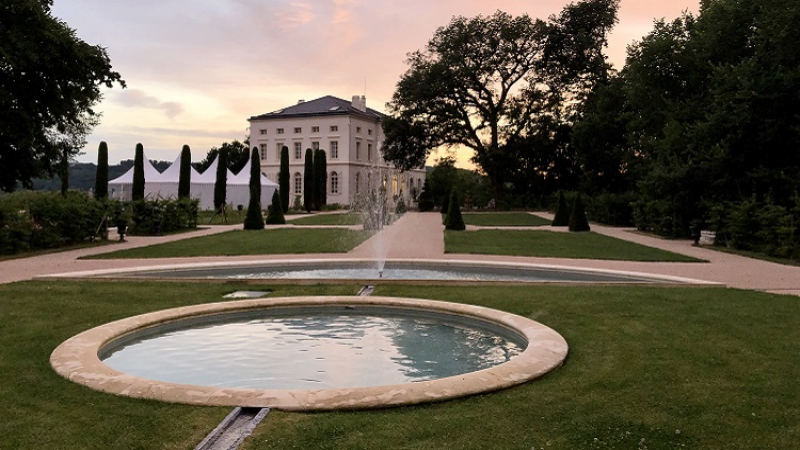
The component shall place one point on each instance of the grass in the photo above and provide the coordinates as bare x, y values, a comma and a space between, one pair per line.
328, 219
239, 242
551, 244
655, 368
755, 255
43, 411
234, 217
511, 219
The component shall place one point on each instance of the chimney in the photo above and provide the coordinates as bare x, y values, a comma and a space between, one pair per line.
359, 103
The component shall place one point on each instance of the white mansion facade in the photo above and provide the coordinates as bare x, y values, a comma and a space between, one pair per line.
351, 136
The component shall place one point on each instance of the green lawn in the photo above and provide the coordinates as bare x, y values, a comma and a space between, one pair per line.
511, 219
554, 244
328, 219
655, 368
211, 218
268, 242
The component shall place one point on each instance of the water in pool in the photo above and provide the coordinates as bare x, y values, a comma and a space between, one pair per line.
317, 351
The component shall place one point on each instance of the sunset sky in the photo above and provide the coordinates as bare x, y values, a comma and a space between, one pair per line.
196, 70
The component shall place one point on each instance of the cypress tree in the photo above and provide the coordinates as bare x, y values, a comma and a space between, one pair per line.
254, 219
454, 221
308, 181
137, 191
275, 214
220, 185
185, 174
578, 220
283, 178
320, 179
101, 179
561, 218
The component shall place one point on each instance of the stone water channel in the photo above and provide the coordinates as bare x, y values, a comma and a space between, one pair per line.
240, 423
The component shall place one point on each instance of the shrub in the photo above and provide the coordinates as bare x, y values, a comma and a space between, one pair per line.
283, 179
150, 217
308, 181
45, 220
577, 219
454, 221
185, 173
561, 218
425, 202
400, 206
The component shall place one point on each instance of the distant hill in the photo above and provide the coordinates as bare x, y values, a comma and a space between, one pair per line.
82, 175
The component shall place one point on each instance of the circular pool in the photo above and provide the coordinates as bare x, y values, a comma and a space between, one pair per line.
331, 353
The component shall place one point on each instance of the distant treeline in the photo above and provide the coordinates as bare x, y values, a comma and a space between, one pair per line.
82, 175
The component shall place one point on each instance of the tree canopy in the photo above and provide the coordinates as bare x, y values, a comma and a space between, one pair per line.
50, 80
237, 154
491, 83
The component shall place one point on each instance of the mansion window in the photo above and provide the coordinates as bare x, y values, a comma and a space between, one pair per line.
315, 145
369, 152
358, 129
334, 149
298, 130
263, 131
278, 148
334, 128
279, 131
298, 150
369, 132
334, 183
358, 182
315, 129
358, 150
263, 149
298, 183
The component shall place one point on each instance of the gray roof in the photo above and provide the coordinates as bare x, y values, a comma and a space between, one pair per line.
323, 106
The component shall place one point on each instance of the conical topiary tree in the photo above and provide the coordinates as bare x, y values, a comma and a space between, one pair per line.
454, 221
425, 200
283, 178
561, 218
308, 181
221, 183
578, 220
101, 179
185, 174
137, 190
254, 220
275, 214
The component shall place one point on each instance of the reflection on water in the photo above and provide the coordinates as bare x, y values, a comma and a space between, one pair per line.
316, 352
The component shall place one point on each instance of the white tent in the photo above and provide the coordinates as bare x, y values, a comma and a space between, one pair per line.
165, 185
120, 188
238, 192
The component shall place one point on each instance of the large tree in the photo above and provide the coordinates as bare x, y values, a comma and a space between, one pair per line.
237, 155
50, 80
320, 179
485, 82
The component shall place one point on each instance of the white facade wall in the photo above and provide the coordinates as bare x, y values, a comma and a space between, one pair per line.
357, 163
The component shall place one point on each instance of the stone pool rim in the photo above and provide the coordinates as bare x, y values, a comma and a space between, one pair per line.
135, 273
77, 360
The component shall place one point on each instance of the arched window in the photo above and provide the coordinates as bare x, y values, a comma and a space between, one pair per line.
394, 184
419, 184
334, 183
298, 183
358, 181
